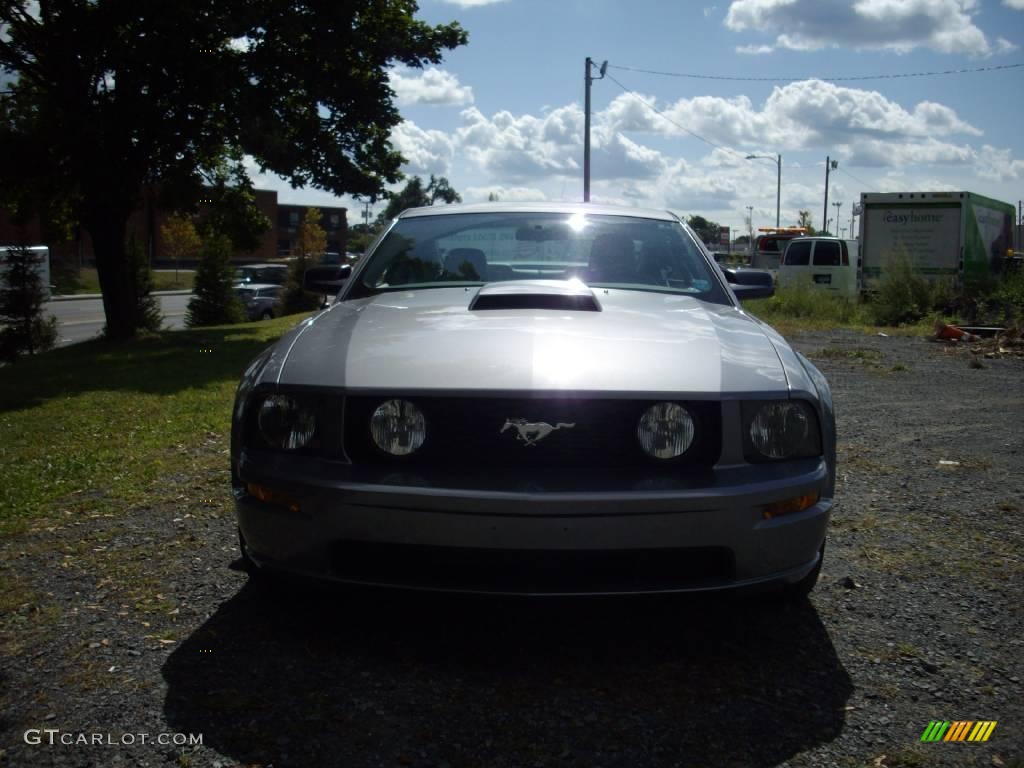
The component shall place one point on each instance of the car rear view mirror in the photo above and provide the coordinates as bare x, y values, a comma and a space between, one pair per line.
750, 283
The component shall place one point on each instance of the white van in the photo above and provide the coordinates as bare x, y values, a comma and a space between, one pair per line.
826, 262
42, 258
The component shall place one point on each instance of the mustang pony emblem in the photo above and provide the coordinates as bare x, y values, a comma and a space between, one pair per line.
530, 433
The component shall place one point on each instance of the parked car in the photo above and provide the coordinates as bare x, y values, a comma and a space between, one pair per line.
260, 300
274, 274
536, 399
828, 263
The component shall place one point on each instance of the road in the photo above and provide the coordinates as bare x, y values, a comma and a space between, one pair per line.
82, 319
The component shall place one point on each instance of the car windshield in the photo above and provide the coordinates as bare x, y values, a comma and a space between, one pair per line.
245, 294
603, 251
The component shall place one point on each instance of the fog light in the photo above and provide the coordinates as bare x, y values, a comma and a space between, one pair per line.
789, 506
270, 496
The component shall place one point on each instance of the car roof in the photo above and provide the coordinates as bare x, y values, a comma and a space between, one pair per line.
255, 286
597, 209
261, 266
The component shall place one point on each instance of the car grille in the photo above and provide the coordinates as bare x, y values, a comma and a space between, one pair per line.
466, 433
531, 571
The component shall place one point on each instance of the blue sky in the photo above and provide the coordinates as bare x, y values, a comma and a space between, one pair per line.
504, 113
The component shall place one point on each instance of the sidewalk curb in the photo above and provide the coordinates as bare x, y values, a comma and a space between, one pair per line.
86, 296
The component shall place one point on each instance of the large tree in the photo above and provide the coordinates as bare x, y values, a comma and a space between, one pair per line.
415, 195
105, 100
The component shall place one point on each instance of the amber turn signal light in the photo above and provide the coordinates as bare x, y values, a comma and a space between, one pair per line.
789, 506
270, 496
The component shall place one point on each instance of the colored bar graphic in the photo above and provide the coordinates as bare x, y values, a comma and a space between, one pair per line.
982, 730
958, 730
935, 730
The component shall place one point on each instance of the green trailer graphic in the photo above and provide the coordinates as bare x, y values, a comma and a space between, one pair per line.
958, 236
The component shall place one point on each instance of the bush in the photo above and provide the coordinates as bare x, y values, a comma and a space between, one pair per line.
904, 295
147, 306
214, 301
1010, 294
294, 297
803, 300
23, 328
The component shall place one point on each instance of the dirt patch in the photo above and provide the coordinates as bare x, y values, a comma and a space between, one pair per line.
132, 622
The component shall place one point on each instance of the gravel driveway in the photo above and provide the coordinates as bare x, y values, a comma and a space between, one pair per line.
137, 627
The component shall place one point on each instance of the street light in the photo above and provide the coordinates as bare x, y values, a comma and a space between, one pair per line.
778, 183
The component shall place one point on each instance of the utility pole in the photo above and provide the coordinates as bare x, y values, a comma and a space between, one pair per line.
778, 190
838, 205
588, 79
829, 164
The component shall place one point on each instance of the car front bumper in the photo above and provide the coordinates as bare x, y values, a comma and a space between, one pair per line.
534, 542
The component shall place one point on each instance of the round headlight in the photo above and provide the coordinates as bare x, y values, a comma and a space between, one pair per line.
665, 430
398, 427
285, 422
780, 430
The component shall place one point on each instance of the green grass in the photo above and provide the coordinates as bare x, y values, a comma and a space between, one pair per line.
802, 307
100, 426
88, 281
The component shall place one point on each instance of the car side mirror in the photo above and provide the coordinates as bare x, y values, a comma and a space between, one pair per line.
327, 279
750, 283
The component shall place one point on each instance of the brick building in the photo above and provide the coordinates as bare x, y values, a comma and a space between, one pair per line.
146, 221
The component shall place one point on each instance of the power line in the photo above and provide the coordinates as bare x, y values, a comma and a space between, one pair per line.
861, 181
844, 78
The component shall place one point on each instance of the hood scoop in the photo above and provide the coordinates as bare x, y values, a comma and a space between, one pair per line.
570, 295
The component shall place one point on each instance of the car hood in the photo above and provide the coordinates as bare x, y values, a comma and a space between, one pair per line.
640, 342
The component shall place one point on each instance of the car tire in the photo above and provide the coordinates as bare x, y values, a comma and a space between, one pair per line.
800, 590
267, 315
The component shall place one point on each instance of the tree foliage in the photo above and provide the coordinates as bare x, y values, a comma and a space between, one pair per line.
180, 239
311, 240
23, 326
415, 195
214, 301
804, 221
706, 230
311, 243
108, 98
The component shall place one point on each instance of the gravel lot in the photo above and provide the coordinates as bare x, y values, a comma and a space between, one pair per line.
135, 624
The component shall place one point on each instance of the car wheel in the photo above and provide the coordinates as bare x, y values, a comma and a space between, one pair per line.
267, 315
801, 589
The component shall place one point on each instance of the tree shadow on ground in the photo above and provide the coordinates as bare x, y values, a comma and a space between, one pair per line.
343, 677
164, 364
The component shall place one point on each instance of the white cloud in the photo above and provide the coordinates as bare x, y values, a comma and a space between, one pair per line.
708, 10
425, 151
472, 3
899, 25
754, 50
999, 165
1015, 4
800, 115
432, 86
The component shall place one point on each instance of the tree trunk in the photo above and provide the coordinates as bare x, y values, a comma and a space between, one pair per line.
107, 228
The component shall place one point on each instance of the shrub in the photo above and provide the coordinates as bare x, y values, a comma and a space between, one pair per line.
147, 306
803, 300
294, 297
23, 328
214, 301
904, 295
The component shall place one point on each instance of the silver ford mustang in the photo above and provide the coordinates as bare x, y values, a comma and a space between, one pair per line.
536, 399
